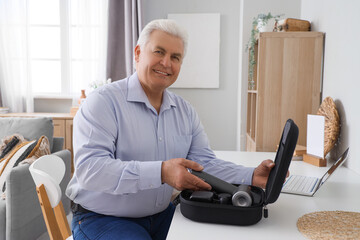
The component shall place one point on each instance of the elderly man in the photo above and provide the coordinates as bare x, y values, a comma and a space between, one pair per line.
134, 141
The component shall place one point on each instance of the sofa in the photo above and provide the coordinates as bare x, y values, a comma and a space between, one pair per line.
20, 213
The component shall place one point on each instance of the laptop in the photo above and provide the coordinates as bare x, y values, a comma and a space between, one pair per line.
307, 185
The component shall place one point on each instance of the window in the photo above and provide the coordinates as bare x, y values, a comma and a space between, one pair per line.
67, 45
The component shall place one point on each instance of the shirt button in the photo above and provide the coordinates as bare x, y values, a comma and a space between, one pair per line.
160, 139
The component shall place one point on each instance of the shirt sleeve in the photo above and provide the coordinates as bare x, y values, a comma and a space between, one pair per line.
201, 152
96, 168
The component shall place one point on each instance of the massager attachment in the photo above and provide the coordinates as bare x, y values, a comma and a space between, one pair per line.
241, 195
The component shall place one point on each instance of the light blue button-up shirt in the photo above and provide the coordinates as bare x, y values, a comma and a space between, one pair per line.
120, 142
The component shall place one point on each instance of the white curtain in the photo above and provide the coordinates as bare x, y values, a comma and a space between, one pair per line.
15, 84
84, 58
88, 42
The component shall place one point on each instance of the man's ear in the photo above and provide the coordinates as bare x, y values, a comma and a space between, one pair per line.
137, 53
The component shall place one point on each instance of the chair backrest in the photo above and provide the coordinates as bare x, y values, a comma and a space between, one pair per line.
47, 172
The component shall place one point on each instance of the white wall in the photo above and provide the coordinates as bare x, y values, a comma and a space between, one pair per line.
339, 21
217, 108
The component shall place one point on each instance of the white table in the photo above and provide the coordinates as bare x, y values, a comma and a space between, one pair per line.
340, 192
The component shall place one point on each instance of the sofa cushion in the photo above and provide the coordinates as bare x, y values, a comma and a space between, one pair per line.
25, 152
9, 143
30, 128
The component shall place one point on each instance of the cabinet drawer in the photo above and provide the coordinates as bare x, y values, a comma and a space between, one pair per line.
59, 128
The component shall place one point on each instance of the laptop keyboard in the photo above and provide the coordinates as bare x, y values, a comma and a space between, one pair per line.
300, 184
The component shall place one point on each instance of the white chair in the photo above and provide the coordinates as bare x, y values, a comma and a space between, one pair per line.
47, 172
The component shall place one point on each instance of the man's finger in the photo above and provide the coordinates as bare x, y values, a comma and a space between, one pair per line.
268, 163
192, 165
271, 165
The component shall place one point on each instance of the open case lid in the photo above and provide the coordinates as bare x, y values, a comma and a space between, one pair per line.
282, 161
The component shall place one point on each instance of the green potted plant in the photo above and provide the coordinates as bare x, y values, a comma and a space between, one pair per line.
259, 24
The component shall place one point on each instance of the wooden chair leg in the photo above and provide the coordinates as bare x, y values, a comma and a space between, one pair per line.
48, 214
62, 220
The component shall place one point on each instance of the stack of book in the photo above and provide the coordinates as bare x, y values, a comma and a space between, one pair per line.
4, 110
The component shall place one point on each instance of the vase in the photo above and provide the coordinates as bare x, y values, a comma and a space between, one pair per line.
266, 26
82, 97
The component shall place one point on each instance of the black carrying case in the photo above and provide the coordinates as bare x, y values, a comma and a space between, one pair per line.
212, 212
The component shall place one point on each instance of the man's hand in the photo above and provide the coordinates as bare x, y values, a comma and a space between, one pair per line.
261, 173
174, 172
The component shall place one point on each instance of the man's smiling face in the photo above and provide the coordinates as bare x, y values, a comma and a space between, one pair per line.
158, 64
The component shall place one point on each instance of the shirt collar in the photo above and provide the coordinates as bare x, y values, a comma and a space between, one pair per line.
136, 94
168, 101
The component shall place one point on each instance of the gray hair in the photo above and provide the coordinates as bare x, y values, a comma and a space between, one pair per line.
166, 25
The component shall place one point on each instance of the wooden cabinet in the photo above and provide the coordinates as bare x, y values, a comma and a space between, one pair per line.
68, 135
63, 126
286, 84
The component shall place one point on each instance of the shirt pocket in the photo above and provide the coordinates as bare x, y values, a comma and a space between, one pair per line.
181, 146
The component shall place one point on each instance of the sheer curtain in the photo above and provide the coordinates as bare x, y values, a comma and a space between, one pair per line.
83, 49
15, 84
88, 42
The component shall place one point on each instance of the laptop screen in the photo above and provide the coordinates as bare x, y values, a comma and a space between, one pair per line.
337, 164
